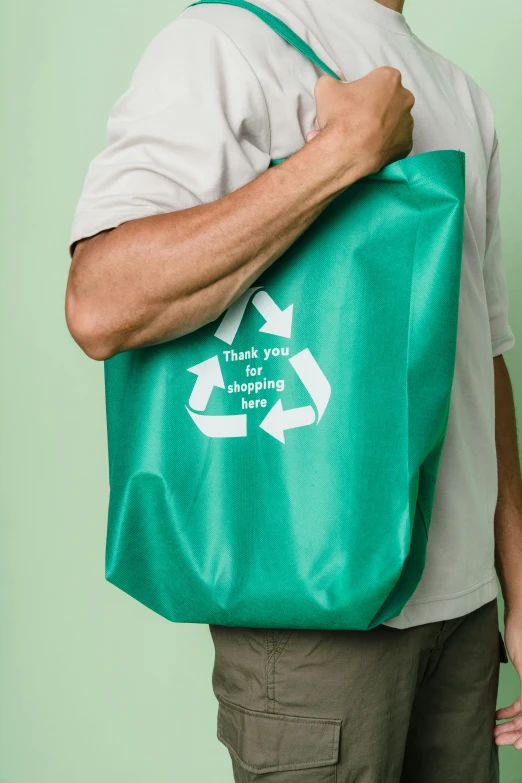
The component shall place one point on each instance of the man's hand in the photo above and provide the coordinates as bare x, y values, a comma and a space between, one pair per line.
372, 115
510, 733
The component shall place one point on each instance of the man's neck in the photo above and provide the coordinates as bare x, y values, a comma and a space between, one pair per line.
395, 5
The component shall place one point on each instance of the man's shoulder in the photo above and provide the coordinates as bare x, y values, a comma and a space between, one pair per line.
226, 25
195, 57
262, 48
215, 40
196, 32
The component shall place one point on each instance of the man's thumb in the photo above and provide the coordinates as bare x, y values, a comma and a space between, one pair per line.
311, 135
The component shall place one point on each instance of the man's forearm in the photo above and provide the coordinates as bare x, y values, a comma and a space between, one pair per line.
147, 275
508, 544
508, 517
155, 279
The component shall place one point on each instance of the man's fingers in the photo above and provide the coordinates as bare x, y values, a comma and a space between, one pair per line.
509, 712
506, 712
325, 83
510, 732
326, 93
311, 135
512, 738
505, 728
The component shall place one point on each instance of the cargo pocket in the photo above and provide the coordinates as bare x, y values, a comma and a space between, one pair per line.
266, 745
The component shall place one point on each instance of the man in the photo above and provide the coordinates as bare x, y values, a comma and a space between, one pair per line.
179, 215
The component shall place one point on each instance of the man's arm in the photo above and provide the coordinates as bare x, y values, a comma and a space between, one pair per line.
154, 279
508, 542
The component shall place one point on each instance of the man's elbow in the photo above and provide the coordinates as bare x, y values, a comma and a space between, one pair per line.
90, 323
89, 329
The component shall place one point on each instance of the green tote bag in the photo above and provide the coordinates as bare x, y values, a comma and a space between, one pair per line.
277, 468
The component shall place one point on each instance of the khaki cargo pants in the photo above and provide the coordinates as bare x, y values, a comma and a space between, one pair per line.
381, 706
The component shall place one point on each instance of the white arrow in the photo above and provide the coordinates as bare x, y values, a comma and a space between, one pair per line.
209, 375
231, 321
278, 420
278, 321
313, 378
221, 426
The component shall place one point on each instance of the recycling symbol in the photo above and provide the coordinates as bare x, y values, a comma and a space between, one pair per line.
209, 376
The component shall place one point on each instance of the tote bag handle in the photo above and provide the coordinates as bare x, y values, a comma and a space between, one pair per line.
279, 27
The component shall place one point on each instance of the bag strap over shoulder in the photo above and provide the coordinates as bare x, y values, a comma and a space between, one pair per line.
280, 28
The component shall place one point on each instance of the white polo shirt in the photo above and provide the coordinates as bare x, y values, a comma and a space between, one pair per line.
216, 95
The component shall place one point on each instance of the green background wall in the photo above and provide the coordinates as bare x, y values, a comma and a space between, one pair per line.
93, 687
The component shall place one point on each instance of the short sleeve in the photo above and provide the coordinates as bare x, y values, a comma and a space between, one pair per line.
502, 338
192, 127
